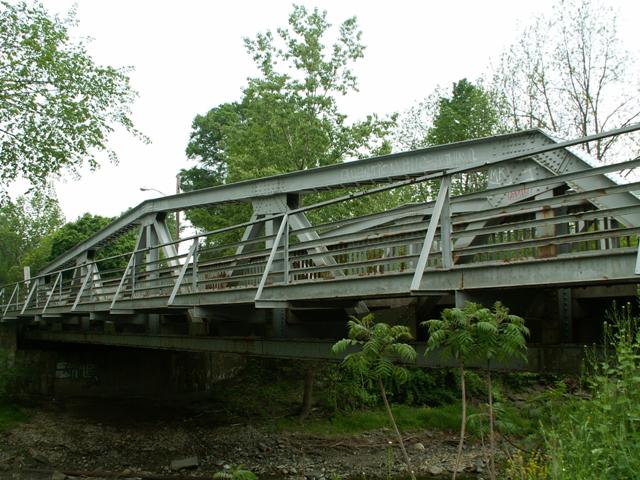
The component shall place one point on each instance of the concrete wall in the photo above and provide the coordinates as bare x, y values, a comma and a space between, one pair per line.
8, 336
122, 372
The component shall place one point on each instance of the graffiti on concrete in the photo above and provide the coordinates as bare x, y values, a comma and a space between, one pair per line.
76, 371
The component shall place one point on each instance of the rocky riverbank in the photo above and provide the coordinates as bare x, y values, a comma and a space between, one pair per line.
104, 439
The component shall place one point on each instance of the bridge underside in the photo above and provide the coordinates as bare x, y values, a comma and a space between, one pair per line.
548, 232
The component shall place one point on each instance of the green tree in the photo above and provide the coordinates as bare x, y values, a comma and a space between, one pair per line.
469, 111
288, 117
570, 73
25, 224
453, 333
57, 107
498, 335
381, 347
73, 233
475, 332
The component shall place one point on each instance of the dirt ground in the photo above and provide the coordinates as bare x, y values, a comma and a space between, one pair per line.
116, 439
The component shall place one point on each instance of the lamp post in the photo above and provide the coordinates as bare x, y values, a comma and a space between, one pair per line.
149, 189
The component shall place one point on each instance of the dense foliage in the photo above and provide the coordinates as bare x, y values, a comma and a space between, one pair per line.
57, 106
73, 233
599, 437
288, 117
25, 226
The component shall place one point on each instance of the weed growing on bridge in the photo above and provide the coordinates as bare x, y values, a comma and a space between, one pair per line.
381, 345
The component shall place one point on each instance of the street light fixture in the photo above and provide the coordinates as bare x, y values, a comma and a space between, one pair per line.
145, 189
148, 189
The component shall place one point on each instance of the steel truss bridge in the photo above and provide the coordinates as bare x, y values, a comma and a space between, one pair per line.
395, 234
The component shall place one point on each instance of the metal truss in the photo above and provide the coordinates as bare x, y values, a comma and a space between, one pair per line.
546, 216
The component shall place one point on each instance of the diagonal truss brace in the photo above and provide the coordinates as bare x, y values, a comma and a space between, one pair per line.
16, 293
192, 254
130, 266
442, 204
89, 276
284, 225
53, 289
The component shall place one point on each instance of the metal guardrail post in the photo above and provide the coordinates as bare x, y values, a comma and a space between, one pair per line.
194, 269
286, 251
443, 197
272, 255
133, 276
445, 229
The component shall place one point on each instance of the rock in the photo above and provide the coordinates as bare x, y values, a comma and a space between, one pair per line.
418, 447
478, 465
184, 463
38, 457
453, 468
58, 476
436, 470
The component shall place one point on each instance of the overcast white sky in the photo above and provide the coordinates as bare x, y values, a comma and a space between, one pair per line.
188, 57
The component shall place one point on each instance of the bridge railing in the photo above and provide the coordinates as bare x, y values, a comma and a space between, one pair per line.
445, 232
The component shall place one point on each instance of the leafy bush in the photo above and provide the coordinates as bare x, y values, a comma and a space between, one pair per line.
599, 437
427, 387
527, 466
345, 390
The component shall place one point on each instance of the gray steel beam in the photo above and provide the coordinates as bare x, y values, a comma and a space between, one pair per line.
386, 168
565, 358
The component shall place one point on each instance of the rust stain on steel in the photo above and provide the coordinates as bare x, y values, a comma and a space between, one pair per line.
547, 251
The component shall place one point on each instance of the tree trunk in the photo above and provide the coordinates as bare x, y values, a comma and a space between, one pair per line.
307, 396
463, 426
492, 438
395, 428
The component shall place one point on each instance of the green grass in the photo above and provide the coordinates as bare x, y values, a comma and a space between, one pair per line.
408, 418
444, 418
10, 416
